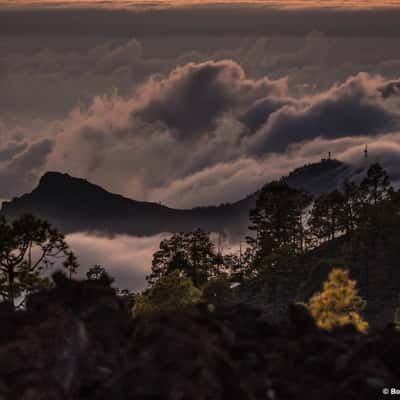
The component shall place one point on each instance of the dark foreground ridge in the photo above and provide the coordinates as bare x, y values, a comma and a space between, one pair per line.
76, 205
78, 341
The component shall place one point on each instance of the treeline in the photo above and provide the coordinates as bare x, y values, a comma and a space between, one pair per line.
286, 226
287, 223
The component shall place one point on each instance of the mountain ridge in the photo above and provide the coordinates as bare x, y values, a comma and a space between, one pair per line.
77, 205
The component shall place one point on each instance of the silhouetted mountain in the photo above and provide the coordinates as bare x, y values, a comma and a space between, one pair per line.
320, 177
74, 204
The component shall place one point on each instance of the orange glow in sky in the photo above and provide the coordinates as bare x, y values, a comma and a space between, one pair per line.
171, 3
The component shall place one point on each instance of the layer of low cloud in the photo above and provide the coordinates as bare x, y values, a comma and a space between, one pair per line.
126, 258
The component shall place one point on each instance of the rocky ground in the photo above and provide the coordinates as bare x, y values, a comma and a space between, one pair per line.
78, 341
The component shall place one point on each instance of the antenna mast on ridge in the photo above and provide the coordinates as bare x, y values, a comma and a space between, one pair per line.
366, 157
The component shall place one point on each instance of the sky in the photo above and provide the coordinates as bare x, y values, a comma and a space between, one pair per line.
192, 104
179, 3
125, 3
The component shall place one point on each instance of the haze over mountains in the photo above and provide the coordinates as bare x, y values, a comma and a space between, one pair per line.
76, 205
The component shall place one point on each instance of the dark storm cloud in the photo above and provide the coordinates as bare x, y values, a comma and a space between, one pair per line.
193, 96
260, 111
193, 104
356, 107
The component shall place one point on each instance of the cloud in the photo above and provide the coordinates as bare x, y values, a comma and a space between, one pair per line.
199, 17
22, 170
230, 181
174, 3
188, 127
32, 84
123, 134
206, 133
10, 150
126, 258
259, 112
225, 182
192, 97
356, 107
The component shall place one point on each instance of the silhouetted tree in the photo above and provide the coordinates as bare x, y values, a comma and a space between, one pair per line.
278, 223
375, 187
376, 195
326, 220
240, 266
71, 264
277, 219
351, 203
376, 215
192, 253
27, 246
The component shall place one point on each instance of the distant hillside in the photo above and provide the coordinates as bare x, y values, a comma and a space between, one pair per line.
74, 204
319, 177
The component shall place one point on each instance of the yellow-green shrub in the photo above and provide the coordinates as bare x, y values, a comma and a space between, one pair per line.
172, 291
338, 303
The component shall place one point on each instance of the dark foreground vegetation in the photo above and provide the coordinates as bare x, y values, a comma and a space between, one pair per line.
78, 341
307, 308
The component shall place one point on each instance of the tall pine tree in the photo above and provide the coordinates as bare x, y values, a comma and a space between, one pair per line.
192, 253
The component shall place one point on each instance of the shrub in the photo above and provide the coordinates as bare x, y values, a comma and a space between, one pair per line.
339, 302
172, 291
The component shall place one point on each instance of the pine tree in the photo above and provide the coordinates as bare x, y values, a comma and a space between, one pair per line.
71, 264
326, 221
240, 266
351, 203
27, 247
192, 253
376, 199
277, 220
376, 186
339, 302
